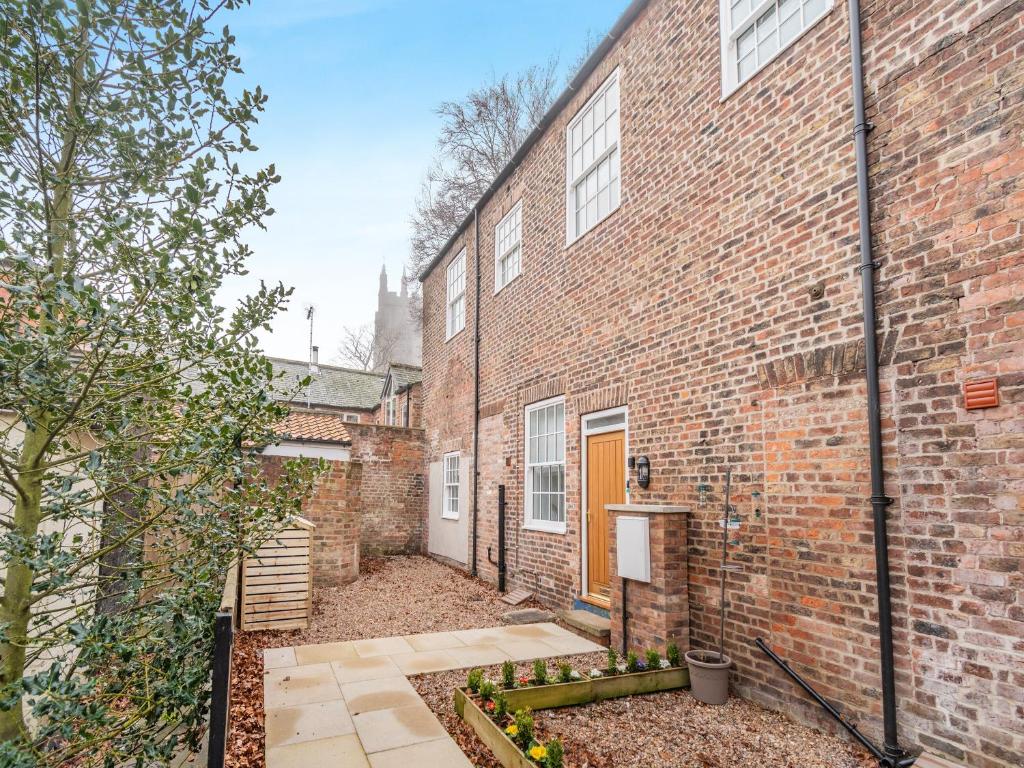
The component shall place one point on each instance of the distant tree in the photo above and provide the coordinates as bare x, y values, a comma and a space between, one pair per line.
129, 401
479, 135
361, 347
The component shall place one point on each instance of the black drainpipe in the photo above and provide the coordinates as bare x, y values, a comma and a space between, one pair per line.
476, 379
890, 755
879, 501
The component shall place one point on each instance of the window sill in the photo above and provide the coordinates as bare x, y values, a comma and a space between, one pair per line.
542, 528
449, 338
449, 517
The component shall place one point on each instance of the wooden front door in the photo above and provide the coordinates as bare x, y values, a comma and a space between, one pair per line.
606, 484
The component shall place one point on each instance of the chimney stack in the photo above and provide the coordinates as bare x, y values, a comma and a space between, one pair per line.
314, 359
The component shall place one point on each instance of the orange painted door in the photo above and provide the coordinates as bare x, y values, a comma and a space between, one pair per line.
606, 484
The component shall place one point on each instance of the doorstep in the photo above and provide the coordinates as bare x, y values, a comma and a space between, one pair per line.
595, 627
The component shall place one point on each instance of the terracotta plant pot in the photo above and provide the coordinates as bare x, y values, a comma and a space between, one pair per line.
709, 676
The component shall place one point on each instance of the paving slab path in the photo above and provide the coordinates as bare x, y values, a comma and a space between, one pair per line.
350, 704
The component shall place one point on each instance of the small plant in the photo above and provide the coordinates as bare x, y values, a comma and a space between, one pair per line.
653, 659
500, 708
540, 672
487, 690
473, 680
632, 662
613, 661
555, 754
672, 652
508, 675
523, 728
564, 673
539, 754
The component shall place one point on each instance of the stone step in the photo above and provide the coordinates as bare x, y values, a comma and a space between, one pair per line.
595, 627
527, 616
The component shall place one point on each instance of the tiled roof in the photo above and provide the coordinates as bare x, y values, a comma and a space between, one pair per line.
403, 375
332, 386
315, 427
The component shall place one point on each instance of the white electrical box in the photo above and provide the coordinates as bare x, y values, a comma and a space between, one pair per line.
633, 545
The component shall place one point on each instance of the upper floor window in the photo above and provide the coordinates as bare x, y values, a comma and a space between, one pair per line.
755, 31
545, 466
592, 160
450, 504
352, 418
508, 237
457, 294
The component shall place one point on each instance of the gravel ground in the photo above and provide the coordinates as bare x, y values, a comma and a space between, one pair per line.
659, 730
408, 595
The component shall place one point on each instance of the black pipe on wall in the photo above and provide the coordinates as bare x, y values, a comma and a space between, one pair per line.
501, 538
476, 381
879, 500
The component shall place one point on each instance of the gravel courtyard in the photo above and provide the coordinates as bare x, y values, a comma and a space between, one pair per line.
408, 595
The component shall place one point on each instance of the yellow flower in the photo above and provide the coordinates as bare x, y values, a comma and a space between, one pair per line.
538, 752
512, 730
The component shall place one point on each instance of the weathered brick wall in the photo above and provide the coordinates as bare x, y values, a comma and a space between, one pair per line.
391, 496
657, 612
334, 555
721, 303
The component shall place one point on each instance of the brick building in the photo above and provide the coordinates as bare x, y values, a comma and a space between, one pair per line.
400, 396
371, 499
668, 268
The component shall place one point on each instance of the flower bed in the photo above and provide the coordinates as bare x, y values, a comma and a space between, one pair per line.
500, 712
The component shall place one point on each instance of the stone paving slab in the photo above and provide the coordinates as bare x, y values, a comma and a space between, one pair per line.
350, 704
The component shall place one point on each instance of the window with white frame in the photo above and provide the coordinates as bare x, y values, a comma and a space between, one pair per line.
545, 465
755, 31
508, 237
456, 279
450, 503
352, 418
592, 160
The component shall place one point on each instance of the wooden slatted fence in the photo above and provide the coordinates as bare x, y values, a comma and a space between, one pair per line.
276, 587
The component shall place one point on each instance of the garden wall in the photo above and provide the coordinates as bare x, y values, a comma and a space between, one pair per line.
373, 504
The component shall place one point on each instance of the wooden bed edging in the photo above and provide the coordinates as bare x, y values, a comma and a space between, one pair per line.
490, 733
596, 689
560, 695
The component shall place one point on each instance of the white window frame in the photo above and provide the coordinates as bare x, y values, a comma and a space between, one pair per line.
457, 302
352, 418
450, 490
730, 36
573, 180
500, 254
548, 526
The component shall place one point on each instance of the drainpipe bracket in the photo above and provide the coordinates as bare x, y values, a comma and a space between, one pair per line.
863, 128
869, 265
882, 500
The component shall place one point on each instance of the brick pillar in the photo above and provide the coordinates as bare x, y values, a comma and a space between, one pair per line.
659, 611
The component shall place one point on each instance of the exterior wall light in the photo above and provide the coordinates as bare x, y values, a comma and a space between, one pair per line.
643, 471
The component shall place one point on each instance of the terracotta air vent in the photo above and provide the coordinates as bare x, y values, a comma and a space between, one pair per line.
981, 393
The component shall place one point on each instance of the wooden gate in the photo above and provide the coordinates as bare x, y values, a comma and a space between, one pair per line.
276, 584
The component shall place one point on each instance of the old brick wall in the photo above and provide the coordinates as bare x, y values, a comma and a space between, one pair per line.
721, 303
334, 556
391, 496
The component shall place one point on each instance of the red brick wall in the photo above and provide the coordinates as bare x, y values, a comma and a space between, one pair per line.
391, 492
374, 504
334, 554
721, 303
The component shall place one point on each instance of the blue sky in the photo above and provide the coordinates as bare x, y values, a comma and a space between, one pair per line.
350, 125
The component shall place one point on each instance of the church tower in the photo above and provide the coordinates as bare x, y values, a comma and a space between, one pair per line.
395, 329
